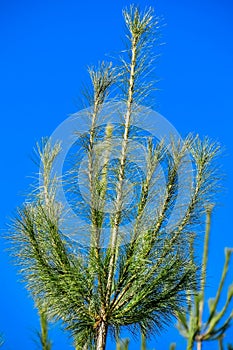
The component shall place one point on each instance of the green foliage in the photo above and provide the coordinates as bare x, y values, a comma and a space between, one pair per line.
191, 323
141, 284
173, 346
143, 342
122, 344
42, 335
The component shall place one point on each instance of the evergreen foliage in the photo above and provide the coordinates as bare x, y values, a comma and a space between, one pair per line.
191, 325
141, 284
42, 335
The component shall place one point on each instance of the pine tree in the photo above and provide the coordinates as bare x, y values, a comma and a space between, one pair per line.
141, 283
191, 324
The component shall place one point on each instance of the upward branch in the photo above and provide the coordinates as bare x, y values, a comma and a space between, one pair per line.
138, 26
102, 78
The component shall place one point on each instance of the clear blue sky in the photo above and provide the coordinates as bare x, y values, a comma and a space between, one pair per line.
45, 48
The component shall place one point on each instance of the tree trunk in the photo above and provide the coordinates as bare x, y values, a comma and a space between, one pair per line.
101, 335
199, 345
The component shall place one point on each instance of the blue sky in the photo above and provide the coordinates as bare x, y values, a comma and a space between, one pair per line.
44, 51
